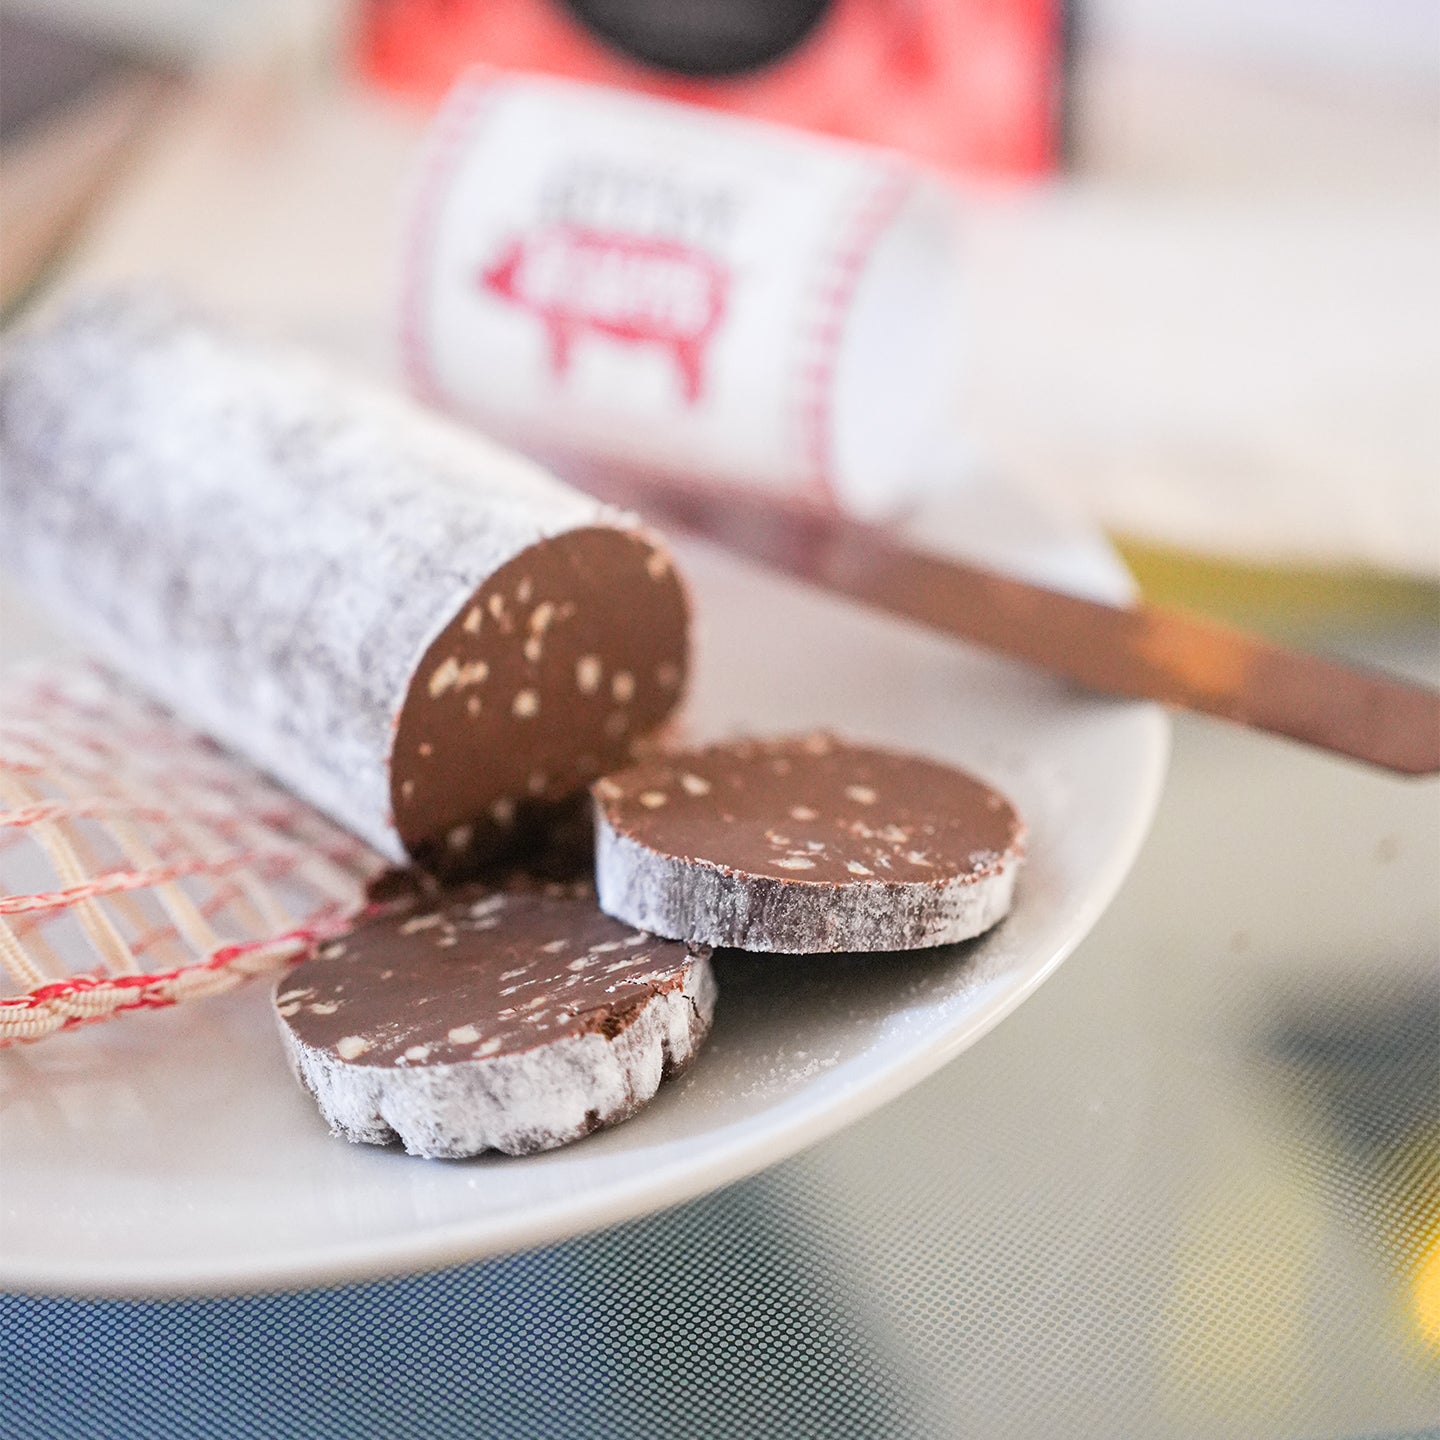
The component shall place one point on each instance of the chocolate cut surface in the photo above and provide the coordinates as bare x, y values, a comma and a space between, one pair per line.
805, 844
512, 1019
548, 675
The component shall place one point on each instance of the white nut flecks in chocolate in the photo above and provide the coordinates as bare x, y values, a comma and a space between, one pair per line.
513, 1020
398, 619
804, 845
495, 731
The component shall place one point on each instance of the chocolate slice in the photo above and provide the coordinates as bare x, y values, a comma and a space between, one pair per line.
803, 845
513, 1019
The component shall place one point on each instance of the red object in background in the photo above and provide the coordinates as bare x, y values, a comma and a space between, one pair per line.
628, 287
969, 85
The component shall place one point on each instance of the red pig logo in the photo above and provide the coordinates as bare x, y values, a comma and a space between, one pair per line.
629, 288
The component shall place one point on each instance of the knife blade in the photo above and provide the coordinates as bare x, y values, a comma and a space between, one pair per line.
1141, 652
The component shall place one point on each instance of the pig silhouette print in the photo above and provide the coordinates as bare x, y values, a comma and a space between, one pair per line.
632, 289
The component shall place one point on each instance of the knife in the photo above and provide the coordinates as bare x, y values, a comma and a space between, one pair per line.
1143, 652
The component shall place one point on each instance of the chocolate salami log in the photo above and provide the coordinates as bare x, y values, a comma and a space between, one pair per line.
428, 637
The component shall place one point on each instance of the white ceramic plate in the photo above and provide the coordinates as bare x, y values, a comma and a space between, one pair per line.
172, 1152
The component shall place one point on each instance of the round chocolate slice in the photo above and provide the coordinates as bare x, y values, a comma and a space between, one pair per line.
804, 845
514, 1020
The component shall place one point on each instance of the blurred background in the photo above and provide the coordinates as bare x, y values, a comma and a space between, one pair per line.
1200, 243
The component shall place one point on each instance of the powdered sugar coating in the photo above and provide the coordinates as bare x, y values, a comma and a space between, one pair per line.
268, 549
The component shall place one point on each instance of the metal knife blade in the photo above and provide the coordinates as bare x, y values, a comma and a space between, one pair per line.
1142, 652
